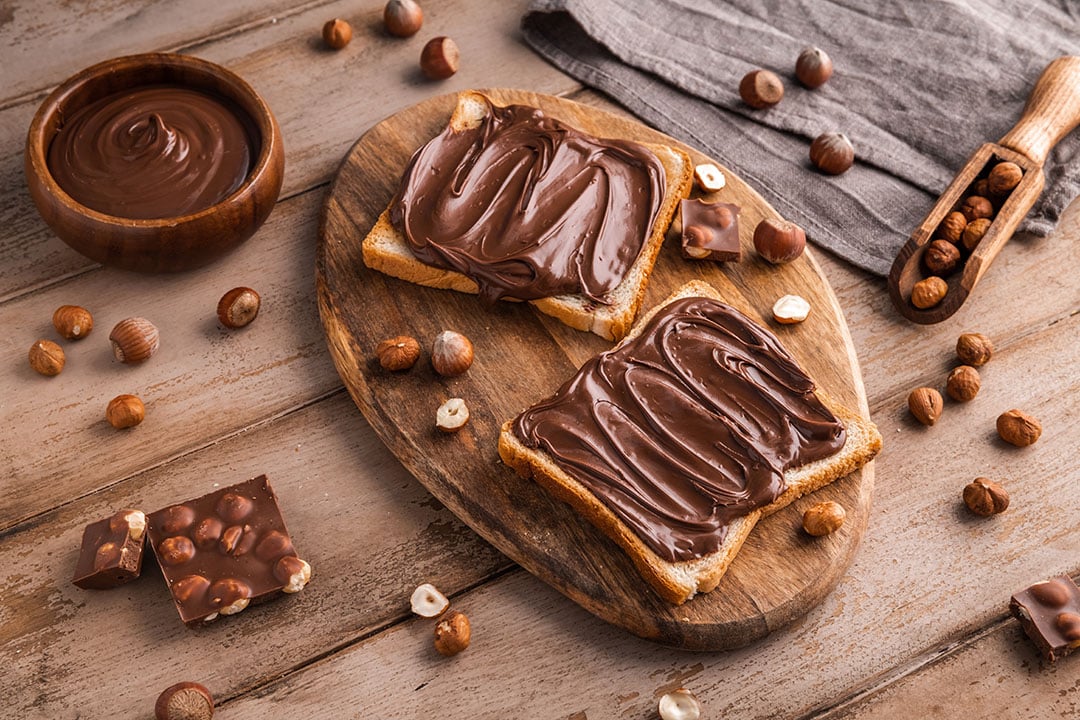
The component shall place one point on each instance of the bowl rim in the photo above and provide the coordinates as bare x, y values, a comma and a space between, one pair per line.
263, 120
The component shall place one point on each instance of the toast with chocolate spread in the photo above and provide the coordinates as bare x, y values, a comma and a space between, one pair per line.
510, 203
677, 440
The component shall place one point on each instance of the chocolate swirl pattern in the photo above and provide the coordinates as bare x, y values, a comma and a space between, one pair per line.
528, 207
152, 152
686, 427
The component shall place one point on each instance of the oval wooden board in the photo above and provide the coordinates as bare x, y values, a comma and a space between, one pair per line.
522, 356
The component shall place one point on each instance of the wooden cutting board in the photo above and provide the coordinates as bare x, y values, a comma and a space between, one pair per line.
522, 356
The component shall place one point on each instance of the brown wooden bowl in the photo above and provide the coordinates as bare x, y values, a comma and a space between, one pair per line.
166, 244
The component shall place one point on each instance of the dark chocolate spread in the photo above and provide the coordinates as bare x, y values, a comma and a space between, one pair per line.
528, 207
153, 152
686, 427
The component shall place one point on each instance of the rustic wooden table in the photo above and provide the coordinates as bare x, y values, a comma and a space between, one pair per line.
917, 628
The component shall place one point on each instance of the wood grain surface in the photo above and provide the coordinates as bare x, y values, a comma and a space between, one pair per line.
522, 356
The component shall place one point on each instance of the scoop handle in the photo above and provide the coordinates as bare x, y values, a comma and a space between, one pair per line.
1051, 113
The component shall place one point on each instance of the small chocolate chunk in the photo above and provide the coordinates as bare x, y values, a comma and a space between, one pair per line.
1049, 612
710, 231
112, 551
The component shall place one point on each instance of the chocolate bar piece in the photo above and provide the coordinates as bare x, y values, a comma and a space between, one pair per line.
1049, 612
710, 231
112, 551
222, 551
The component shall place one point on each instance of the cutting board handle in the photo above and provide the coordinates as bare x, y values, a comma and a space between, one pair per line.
1051, 113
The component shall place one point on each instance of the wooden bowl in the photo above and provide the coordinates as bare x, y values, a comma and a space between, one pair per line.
167, 244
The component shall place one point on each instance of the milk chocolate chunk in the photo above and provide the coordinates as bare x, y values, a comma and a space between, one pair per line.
225, 550
710, 231
112, 551
1049, 612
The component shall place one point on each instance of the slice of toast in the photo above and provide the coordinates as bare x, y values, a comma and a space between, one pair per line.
386, 250
679, 581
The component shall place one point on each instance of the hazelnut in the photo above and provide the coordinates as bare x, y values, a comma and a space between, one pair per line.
427, 601
46, 357
928, 292
985, 497
72, 322
975, 207
125, 411
439, 58
709, 178
1018, 428
452, 634
1051, 593
1068, 624
974, 349
779, 241
925, 404
177, 518
208, 533
189, 587
451, 354
398, 353
823, 518
107, 554
294, 572
273, 545
941, 257
233, 508
336, 33
813, 68
132, 522
952, 227
236, 540
679, 705
761, 89
230, 595
134, 340
238, 307
832, 153
176, 550
974, 232
184, 701
403, 18
963, 383
981, 187
1003, 178
790, 309
452, 415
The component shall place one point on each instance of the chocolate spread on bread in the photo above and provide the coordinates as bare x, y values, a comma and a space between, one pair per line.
529, 207
686, 427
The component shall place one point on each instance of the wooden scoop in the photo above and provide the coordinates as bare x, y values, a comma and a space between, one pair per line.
1052, 111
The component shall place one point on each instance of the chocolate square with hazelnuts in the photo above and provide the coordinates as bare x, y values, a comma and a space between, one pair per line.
222, 551
1049, 613
112, 551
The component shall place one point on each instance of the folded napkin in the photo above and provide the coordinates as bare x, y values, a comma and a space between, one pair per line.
918, 86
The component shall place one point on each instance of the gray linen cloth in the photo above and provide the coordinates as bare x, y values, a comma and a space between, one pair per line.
918, 86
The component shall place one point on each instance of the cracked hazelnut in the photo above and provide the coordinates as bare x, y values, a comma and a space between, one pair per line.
336, 33
941, 257
813, 67
790, 309
294, 572
963, 383
761, 89
125, 411
709, 178
46, 358
1018, 428
184, 701
452, 415
427, 601
72, 322
925, 404
975, 207
238, 307
832, 153
985, 497
928, 292
952, 227
974, 349
439, 59
823, 518
1003, 178
403, 18
398, 353
451, 354
134, 340
452, 634
974, 232
679, 705
779, 241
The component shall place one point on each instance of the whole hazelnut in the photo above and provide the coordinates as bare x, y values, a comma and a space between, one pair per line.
398, 353
975, 207
134, 340
190, 586
761, 89
46, 358
981, 187
439, 59
125, 411
928, 292
779, 241
974, 349
207, 533
813, 67
238, 307
1003, 178
679, 705
184, 701
452, 634
941, 257
403, 18
823, 518
974, 232
925, 405
337, 33
832, 153
176, 550
451, 354
72, 322
1018, 428
963, 383
952, 227
985, 497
